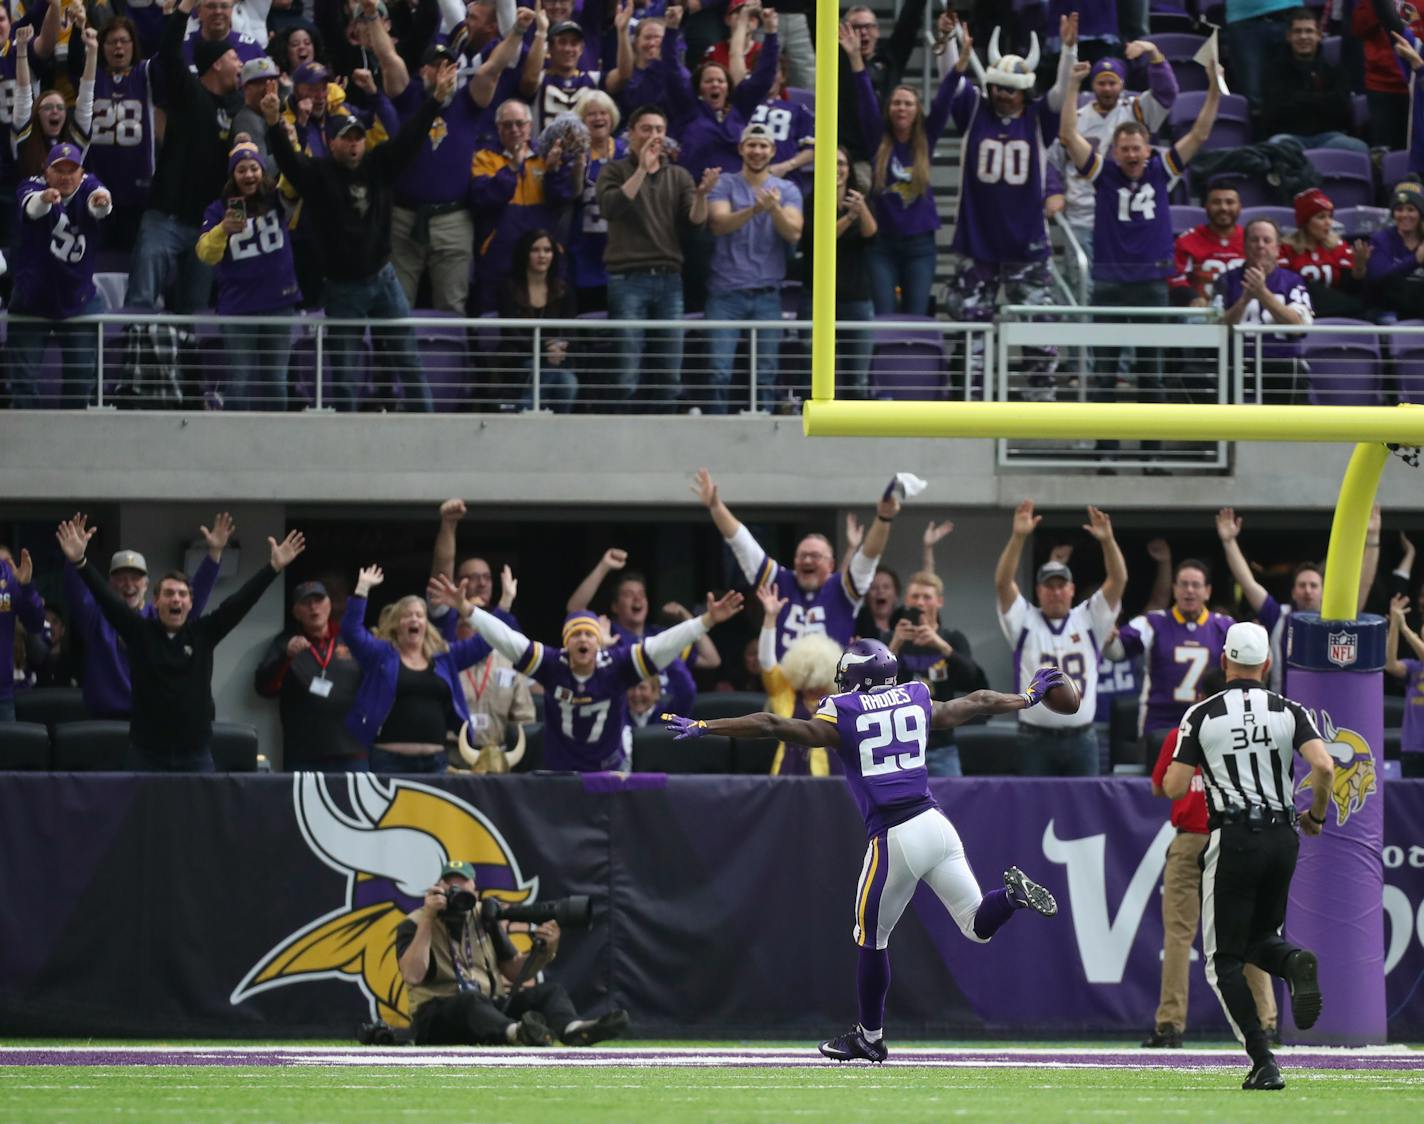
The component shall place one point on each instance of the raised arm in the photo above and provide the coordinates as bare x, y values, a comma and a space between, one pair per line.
1160, 551
933, 533
1191, 144
956, 712
663, 648
877, 538
73, 536
1006, 588
613, 559
1369, 564
508, 642
1393, 665
812, 733
1114, 565
442, 560
708, 658
705, 489
229, 614
618, 77
1228, 528
485, 81
395, 75
1080, 152
534, 61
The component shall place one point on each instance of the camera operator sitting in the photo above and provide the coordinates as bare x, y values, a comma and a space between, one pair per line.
460, 972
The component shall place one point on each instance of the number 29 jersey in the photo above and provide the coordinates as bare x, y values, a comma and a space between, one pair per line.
883, 738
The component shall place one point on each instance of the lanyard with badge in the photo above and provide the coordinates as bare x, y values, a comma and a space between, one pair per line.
320, 685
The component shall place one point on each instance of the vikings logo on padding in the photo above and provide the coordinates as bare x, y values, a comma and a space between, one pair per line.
1354, 768
390, 846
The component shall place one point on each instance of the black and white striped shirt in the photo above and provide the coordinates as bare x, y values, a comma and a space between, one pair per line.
1244, 739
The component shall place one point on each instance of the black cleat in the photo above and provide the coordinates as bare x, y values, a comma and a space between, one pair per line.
853, 1044
1302, 975
1025, 893
1165, 1037
532, 1030
1267, 1075
586, 1032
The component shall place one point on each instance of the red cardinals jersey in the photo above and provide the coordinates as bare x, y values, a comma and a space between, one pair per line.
1324, 266
1203, 256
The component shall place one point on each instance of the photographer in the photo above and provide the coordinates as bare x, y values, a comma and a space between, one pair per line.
458, 966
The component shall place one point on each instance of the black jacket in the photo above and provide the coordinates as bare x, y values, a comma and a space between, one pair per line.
1305, 97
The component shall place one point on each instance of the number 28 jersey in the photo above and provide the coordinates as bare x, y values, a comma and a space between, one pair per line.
121, 140
883, 738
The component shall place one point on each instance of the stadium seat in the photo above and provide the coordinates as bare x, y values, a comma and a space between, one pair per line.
1233, 122
1330, 50
1361, 222
908, 364
444, 354
234, 747
23, 746
799, 96
1284, 216
988, 750
1394, 166
1254, 192
50, 706
655, 751
1343, 370
1169, 15
1406, 354
726, 704
1360, 114
753, 755
1185, 216
1179, 49
1347, 177
533, 749
90, 746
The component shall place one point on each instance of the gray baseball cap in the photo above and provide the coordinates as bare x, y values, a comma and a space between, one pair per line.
259, 70
128, 560
1050, 570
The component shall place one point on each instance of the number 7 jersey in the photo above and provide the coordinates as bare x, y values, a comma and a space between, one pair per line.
1178, 650
883, 737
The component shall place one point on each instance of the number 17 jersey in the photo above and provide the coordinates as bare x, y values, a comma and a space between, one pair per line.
883, 736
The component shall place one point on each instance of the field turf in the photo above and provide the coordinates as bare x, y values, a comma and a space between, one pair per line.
716, 1084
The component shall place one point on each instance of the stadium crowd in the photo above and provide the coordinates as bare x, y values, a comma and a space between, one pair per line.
649, 161
446, 676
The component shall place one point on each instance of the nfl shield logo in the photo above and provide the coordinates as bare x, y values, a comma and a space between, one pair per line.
1343, 647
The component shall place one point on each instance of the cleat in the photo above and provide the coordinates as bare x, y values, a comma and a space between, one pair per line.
853, 1044
589, 1031
1165, 1037
1267, 1075
533, 1030
1025, 893
1302, 975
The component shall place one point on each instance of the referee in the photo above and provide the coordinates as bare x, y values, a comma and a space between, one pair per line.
1244, 740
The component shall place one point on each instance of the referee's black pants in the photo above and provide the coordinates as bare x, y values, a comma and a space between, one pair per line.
1246, 877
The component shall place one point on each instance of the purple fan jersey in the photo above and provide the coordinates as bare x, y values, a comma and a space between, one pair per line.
1132, 223
247, 48
1002, 167
54, 255
793, 127
830, 609
589, 236
440, 172
557, 94
1275, 619
1178, 652
586, 720
1411, 736
121, 140
883, 739
256, 273
7, 114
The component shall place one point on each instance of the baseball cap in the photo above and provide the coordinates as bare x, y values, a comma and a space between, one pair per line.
757, 131
565, 27
339, 124
437, 53
466, 870
309, 74
1247, 644
1050, 570
62, 152
128, 560
309, 589
260, 69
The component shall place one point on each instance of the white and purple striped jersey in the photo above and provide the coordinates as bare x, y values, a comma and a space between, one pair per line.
1072, 644
586, 720
883, 738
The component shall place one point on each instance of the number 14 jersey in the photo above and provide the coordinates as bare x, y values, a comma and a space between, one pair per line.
883, 737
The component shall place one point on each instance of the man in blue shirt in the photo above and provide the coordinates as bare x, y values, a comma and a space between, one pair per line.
753, 215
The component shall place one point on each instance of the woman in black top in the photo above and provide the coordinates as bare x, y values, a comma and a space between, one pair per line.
536, 290
855, 228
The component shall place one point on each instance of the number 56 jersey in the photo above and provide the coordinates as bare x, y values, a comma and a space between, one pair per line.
883, 738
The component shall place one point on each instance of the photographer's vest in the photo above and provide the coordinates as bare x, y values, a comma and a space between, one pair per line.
477, 965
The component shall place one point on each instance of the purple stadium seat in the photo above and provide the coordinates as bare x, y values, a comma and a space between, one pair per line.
1393, 167
1347, 177
444, 354
1361, 222
1185, 216
908, 364
1233, 122
1253, 192
1407, 356
1179, 48
799, 96
1330, 50
1360, 114
1344, 370
1169, 15
1284, 216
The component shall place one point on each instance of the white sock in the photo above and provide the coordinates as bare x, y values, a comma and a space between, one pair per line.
511, 1033
872, 1035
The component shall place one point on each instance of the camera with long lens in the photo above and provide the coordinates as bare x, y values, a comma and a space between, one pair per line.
575, 912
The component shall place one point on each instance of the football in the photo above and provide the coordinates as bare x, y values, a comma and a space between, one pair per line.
1064, 698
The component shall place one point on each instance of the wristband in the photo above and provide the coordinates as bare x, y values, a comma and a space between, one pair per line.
1317, 820
883, 519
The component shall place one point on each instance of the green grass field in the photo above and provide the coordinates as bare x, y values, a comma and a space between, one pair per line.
434, 1088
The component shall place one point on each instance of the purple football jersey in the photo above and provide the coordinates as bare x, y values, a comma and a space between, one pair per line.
54, 255
256, 273
7, 114
830, 609
793, 127
883, 738
121, 141
557, 94
1003, 164
586, 720
1132, 224
589, 235
247, 48
440, 172
1178, 651
1275, 619
1411, 735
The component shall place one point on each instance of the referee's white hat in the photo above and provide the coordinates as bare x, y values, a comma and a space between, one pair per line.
1247, 644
